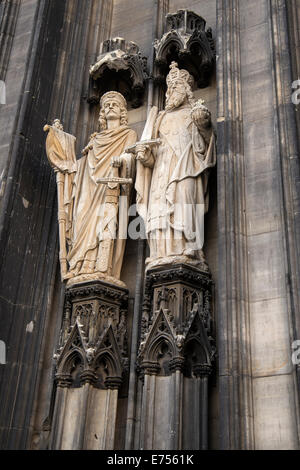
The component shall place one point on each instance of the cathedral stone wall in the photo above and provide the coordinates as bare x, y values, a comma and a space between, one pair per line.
252, 231
272, 371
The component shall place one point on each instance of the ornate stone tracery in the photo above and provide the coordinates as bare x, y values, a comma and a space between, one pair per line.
188, 43
120, 67
94, 331
178, 316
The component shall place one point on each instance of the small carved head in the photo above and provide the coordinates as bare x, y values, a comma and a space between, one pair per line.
112, 106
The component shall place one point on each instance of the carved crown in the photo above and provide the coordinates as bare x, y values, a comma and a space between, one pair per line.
177, 74
113, 95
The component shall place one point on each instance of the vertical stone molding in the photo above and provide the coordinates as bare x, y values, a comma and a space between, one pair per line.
9, 11
175, 358
258, 279
236, 408
293, 19
286, 63
90, 366
26, 301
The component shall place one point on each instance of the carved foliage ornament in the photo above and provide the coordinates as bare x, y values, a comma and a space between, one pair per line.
187, 42
119, 67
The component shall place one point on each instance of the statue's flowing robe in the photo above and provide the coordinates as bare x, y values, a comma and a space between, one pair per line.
85, 198
177, 193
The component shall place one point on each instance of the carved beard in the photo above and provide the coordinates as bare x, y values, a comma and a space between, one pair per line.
175, 100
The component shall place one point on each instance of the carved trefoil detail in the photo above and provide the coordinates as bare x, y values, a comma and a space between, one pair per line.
187, 42
120, 67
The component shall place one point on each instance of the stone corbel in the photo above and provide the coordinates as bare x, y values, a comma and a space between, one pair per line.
120, 67
187, 42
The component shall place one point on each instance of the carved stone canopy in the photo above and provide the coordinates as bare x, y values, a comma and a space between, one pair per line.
119, 67
188, 43
177, 326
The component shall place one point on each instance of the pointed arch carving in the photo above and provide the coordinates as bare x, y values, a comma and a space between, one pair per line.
177, 336
187, 42
120, 67
93, 345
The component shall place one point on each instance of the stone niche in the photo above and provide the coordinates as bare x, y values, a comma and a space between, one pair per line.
187, 42
119, 67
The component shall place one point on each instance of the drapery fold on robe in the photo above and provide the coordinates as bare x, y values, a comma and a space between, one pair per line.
188, 187
88, 197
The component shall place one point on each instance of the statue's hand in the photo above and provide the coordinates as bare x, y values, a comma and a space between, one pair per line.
143, 153
201, 115
116, 162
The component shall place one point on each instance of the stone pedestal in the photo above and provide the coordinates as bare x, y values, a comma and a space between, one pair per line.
90, 366
175, 358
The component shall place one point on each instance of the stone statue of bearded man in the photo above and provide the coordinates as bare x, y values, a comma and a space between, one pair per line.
172, 176
89, 209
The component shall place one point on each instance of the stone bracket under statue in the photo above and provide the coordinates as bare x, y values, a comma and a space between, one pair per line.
91, 364
175, 358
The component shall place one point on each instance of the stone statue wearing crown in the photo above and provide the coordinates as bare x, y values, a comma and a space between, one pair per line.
92, 219
173, 161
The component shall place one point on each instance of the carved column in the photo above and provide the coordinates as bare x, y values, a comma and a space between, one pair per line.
236, 407
285, 42
175, 358
90, 366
